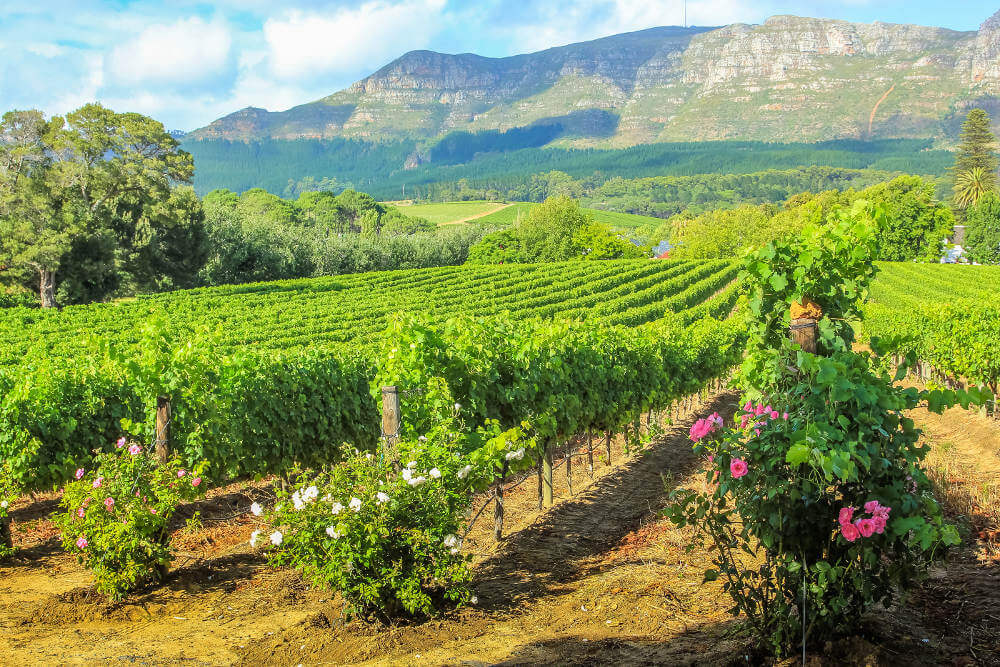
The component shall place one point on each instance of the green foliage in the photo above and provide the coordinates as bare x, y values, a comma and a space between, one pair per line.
913, 225
982, 231
522, 174
116, 516
977, 145
556, 230
389, 545
90, 176
827, 437
973, 185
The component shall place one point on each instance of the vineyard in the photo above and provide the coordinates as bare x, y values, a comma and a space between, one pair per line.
501, 370
946, 316
313, 312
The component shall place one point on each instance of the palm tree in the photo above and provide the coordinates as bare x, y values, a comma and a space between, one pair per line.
971, 185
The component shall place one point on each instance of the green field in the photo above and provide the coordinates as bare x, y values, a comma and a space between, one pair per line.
448, 213
508, 215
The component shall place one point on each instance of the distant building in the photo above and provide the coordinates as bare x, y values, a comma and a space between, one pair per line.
662, 250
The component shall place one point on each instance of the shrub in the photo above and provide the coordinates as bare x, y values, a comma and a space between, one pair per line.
116, 516
819, 479
386, 539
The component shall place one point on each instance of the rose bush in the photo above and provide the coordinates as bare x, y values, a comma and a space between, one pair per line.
819, 437
116, 515
387, 539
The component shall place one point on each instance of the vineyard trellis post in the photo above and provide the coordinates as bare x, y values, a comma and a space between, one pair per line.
607, 444
569, 466
161, 435
6, 540
547, 475
498, 506
590, 451
390, 421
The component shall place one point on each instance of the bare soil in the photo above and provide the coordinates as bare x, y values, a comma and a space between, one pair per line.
599, 578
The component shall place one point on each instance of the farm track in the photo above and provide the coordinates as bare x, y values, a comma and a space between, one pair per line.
470, 218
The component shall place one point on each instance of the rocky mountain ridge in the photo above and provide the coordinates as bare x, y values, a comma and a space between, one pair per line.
788, 79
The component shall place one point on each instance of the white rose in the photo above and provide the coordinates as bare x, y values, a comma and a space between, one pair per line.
464, 472
337, 508
382, 497
355, 504
256, 509
254, 538
277, 538
332, 532
406, 474
417, 481
450, 540
435, 473
411, 465
310, 495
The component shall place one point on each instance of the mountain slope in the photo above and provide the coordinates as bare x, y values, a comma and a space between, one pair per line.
789, 79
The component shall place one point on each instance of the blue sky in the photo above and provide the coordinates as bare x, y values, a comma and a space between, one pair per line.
186, 62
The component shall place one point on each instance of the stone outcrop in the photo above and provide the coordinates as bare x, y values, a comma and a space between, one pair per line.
789, 79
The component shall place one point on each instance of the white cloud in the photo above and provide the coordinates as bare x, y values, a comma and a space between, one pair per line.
305, 44
187, 51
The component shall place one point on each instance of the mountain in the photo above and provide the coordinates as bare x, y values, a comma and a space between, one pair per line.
789, 79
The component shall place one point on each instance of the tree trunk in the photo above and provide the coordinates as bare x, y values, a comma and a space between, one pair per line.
47, 288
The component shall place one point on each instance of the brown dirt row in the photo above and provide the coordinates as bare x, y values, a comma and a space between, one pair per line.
599, 578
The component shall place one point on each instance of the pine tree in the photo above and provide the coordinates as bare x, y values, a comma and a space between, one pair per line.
976, 154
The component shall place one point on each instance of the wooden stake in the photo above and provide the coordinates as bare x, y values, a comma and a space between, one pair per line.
607, 443
161, 440
390, 421
5, 537
590, 452
498, 505
547, 476
540, 496
569, 466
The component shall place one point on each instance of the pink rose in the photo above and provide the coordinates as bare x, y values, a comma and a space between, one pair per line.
109, 503
120, 443
738, 467
134, 450
152, 511
715, 418
80, 512
81, 543
80, 472
882, 511
180, 473
774, 414
711, 458
98, 482
196, 481
700, 429
86, 501
865, 527
744, 420
850, 532
846, 515
878, 524
748, 407
871, 506
785, 416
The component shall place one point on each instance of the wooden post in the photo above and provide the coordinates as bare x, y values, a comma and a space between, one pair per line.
390, 418
161, 440
540, 496
547, 476
803, 330
590, 451
498, 505
607, 444
6, 540
569, 466
625, 437
636, 430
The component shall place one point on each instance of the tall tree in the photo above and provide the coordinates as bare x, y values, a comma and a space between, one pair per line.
66, 178
982, 233
975, 161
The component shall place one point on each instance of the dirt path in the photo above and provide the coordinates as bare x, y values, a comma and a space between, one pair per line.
463, 221
600, 578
